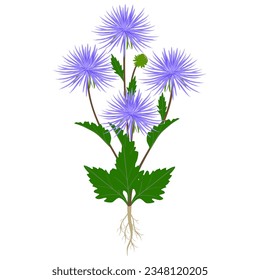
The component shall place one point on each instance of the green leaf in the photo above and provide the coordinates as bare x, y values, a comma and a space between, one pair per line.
117, 67
140, 60
150, 185
162, 106
126, 173
103, 133
105, 187
132, 86
124, 177
120, 134
157, 130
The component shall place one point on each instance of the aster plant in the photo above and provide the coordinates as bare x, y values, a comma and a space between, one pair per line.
129, 110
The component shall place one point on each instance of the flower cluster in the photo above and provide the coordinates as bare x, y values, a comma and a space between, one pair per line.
87, 68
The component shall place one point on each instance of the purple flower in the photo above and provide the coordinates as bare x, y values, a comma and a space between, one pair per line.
86, 67
175, 70
125, 28
131, 111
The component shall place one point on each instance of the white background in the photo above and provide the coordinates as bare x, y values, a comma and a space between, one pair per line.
210, 212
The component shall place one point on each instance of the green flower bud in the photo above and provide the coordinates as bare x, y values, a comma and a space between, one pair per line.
140, 60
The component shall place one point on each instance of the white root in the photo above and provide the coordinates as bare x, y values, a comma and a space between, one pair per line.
128, 229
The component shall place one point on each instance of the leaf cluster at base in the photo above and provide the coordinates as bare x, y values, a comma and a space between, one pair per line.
127, 176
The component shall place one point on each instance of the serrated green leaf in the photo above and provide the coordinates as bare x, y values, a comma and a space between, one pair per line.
126, 173
103, 133
124, 177
105, 187
157, 130
162, 106
150, 185
117, 67
132, 86
120, 134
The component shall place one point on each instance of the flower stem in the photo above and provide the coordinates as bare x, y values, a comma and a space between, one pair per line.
95, 115
113, 151
132, 133
146, 154
169, 105
124, 69
133, 73
92, 107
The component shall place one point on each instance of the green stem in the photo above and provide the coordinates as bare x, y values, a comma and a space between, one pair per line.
95, 115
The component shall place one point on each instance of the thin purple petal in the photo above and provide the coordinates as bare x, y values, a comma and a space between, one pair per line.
132, 111
85, 67
122, 27
174, 70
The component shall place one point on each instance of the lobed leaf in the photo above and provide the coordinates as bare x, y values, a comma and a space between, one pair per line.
126, 173
117, 67
150, 185
124, 177
103, 133
120, 133
157, 130
105, 187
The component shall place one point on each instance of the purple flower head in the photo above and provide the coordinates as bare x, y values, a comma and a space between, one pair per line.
174, 70
125, 28
86, 67
132, 111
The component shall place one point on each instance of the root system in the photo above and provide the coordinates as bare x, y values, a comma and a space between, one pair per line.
129, 230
